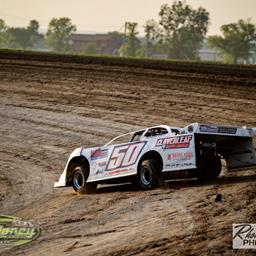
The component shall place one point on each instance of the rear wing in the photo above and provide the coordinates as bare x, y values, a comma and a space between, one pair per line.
235, 144
225, 130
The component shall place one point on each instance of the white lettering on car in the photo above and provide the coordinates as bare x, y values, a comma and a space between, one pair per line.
124, 155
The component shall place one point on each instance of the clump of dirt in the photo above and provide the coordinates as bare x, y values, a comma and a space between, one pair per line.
4, 187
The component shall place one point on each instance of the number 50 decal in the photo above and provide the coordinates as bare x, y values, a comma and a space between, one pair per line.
124, 155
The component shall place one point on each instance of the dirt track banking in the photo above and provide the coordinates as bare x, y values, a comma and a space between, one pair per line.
48, 107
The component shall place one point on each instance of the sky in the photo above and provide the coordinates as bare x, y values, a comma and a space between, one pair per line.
98, 16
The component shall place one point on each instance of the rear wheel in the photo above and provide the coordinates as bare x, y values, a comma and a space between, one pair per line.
209, 168
79, 178
148, 174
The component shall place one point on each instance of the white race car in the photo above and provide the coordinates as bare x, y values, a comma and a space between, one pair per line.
161, 152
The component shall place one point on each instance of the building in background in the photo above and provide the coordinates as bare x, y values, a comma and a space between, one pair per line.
110, 43
104, 44
207, 54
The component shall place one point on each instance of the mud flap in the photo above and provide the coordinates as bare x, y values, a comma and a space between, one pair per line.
242, 159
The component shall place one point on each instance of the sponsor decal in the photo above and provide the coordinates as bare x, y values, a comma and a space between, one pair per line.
99, 167
218, 129
244, 236
178, 165
174, 142
229, 130
100, 171
179, 156
117, 171
207, 128
101, 164
15, 232
99, 153
125, 155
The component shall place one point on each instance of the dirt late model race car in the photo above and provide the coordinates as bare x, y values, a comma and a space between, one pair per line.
149, 155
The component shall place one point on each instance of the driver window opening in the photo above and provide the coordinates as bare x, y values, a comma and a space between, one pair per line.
136, 136
175, 131
156, 132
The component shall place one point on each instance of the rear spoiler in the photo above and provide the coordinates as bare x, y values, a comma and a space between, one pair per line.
222, 130
235, 144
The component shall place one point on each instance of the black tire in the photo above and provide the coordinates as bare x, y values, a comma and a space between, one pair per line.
148, 174
79, 178
209, 168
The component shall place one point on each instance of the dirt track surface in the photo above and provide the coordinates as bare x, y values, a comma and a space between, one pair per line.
49, 108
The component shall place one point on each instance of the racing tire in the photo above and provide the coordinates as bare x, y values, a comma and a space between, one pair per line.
148, 175
209, 168
79, 178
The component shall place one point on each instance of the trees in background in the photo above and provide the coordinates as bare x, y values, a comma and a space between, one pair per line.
58, 33
35, 36
152, 34
7, 40
130, 45
179, 33
237, 42
26, 38
181, 29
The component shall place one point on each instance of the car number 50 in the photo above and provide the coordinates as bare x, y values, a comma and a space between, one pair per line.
125, 155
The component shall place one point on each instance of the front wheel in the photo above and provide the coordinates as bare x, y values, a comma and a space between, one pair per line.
148, 174
79, 178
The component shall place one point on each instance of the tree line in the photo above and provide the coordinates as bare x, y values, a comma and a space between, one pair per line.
179, 33
56, 38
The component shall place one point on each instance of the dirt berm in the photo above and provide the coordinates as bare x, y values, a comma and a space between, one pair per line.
51, 104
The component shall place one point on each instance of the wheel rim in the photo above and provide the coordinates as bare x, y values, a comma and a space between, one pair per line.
78, 180
146, 176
